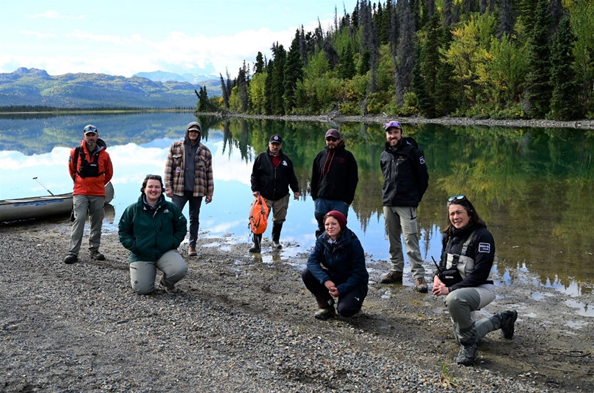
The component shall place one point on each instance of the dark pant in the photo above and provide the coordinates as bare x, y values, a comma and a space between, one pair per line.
348, 303
195, 203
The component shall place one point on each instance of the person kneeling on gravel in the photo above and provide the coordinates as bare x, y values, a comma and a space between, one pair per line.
152, 229
336, 269
466, 261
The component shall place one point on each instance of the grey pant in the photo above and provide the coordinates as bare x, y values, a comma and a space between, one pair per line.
142, 274
83, 204
403, 221
461, 303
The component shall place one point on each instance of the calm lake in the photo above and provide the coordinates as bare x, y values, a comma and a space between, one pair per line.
533, 187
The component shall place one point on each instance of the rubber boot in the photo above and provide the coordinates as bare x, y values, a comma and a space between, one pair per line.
257, 241
276, 231
320, 220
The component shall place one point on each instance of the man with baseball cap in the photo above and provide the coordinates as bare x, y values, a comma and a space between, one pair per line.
272, 175
405, 182
188, 177
91, 169
334, 178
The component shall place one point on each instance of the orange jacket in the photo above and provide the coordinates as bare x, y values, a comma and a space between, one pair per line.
92, 186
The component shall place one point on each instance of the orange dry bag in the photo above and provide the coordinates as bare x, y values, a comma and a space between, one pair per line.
258, 216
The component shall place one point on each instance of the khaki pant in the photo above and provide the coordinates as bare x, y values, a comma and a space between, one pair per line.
142, 273
403, 221
462, 302
278, 208
83, 204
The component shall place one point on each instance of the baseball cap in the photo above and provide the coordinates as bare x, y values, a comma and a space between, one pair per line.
333, 133
194, 126
275, 139
89, 128
392, 124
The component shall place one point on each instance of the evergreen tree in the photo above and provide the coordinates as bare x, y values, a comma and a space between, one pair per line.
355, 16
444, 84
259, 67
405, 52
226, 93
425, 103
268, 89
507, 19
203, 104
278, 79
565, 104
303, 46
448, 16
538, 85
293, 74
431, 63
346, 66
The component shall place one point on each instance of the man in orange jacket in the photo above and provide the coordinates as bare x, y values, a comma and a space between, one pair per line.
91, 169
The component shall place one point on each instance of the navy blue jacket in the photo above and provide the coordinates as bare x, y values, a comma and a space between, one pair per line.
405, 174
342, 262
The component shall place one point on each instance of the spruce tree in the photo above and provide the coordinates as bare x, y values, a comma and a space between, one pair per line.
444, 83
507, 19
259, 67
425, 103
293, 74
565, 104
346, 66
538, 80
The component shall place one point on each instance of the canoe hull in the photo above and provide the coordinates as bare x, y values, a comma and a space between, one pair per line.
42, 206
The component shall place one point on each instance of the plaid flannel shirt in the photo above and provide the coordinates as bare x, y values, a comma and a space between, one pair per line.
175, 167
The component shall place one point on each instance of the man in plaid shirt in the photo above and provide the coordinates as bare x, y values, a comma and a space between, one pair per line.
188, 177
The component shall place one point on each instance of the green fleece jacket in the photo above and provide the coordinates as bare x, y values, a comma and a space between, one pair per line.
150, 232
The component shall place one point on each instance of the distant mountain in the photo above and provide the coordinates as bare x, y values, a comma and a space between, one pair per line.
164, 76
37, 87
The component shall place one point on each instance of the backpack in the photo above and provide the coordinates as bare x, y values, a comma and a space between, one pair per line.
258, 216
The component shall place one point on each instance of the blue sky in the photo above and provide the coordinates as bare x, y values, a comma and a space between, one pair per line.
129, 36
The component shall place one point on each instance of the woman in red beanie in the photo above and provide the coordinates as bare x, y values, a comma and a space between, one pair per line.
336, 269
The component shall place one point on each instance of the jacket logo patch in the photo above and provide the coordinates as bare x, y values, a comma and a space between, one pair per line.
285, 163
166, 211
422, 160
484, 248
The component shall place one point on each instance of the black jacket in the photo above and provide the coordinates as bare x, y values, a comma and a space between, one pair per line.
273, 183
339, 181
405, 174
481, 248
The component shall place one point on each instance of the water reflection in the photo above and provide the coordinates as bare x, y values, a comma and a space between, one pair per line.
533, 187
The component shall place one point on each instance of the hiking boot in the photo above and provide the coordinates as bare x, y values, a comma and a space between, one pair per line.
467, 355
96, 255
391, 277
421, 285
325, 313
192, 251
508, 319
70, 258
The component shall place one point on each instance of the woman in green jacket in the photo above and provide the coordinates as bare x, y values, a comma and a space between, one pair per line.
152, 229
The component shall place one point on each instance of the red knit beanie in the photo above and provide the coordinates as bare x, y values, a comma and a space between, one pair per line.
342, 221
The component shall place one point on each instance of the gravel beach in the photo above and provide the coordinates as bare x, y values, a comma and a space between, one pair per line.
244, 323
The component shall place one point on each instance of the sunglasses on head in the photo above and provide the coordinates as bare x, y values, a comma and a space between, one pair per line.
331, 139
456, 198
90, 129
393, 124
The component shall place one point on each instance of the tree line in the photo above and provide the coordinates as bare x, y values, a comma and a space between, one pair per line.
531, 59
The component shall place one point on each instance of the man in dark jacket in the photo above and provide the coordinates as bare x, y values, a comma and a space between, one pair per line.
334, 179
405, 182
272, 175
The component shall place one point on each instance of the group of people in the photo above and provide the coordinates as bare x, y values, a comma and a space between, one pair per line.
153, 228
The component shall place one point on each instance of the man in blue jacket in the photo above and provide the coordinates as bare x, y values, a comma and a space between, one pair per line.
405, 182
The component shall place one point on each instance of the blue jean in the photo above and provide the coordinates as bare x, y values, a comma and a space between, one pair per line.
195, 203
323, 206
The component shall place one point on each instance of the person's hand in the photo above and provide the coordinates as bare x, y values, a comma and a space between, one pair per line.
208, 198
439, 288
169, 193
256, 194
332, 290
296, 195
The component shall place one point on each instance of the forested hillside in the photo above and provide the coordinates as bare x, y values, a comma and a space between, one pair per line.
472, 58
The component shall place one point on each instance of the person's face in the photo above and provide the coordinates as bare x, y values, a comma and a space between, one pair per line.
331, 142
458, 216
194, 135
275, 148
332, 227
90, 139
393, 136
153, 190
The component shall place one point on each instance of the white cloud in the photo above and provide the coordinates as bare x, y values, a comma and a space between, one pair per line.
54, 15
37, 34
